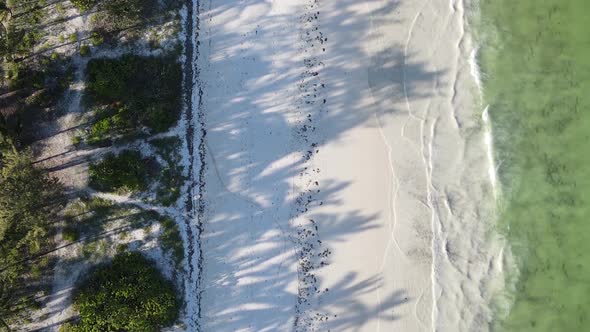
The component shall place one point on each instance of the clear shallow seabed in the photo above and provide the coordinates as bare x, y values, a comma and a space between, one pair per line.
535, 60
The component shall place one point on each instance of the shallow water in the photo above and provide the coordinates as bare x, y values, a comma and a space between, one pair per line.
536, 65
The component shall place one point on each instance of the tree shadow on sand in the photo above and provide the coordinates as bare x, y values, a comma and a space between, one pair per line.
261, 146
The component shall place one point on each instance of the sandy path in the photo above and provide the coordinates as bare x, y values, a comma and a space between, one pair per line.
345, 168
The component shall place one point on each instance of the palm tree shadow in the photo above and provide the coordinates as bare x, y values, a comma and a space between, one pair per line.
255, 258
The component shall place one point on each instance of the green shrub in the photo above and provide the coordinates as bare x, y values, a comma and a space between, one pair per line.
76, 140
156, 85
67, 327
73, 37
126, 172
85, 50
121, 248
96, 39
171, 239
99, 132
60, 8
124, 14
83, 5
70, 234
110, 124
170, 178
128, 294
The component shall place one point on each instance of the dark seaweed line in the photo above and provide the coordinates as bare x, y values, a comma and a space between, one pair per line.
194, 211
202, 158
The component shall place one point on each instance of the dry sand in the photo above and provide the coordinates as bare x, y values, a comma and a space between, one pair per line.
346, 180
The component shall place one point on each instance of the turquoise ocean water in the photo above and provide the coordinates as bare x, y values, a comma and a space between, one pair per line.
535, 62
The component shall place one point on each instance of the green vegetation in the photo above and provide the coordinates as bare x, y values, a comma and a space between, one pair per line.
73, 37
88, 210
126, 172
87, 216
95, 250
33, 92
116, 18
96, 39
76, 140
171, 240
60, 8
34, 75
128, 294
170, 177
153, 105
30, 83
30, 86
19, 28
70, 234
84, 5
117, 15
29, 201
85, 50
110, 124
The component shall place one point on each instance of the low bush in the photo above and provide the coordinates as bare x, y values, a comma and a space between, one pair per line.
70, 234
137, 92
96, 38
126, 172
76, 140
171, 239
117, 15
83, 5
60, 8
170, 178
85, 50
128, 294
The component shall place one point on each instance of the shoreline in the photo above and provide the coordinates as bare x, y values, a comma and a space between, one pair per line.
477, 250
499, 301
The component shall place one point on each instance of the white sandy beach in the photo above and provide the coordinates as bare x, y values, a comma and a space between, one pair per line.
346, 180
